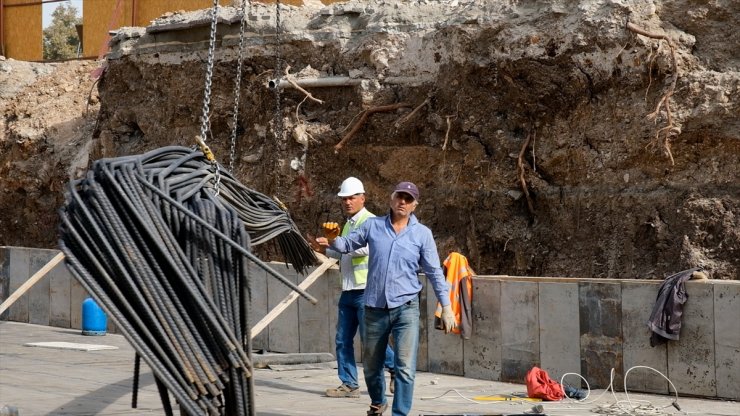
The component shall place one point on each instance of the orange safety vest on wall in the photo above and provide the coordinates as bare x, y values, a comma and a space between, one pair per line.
460, 277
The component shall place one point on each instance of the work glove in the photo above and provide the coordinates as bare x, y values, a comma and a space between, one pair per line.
331, 230
448, 319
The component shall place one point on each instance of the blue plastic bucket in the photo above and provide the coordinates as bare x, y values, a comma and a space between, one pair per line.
94, 320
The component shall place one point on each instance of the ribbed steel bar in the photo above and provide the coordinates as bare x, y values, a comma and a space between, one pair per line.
168, 258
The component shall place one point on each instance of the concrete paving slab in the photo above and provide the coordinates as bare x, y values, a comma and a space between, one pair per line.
42, 381
62, 345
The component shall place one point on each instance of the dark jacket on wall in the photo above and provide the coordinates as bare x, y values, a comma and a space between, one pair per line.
665, 320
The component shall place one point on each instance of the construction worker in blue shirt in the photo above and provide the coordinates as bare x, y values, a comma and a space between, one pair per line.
351, 307
399, 246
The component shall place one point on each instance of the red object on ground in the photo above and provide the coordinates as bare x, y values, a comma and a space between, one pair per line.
541, 386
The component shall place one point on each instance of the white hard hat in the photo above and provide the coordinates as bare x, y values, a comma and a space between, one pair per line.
351, 186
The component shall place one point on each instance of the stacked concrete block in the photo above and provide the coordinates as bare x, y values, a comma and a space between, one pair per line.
446, 351
691, 364
425, 326
258, 305
482, 352
559, 330
637, 303
600, 315
283, 330
520, 327
55, 300
727, 340
314, 331
584, 326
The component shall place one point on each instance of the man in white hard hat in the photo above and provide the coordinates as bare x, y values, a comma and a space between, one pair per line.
353, 266
400, 246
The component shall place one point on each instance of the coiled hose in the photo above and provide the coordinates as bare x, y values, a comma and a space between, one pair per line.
167, 256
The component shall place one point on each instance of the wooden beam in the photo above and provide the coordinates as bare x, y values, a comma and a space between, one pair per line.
30, 282
288, 300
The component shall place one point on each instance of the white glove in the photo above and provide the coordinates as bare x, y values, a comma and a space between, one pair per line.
448, 319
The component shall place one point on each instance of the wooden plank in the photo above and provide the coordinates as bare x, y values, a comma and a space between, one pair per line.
30, 282
292, 296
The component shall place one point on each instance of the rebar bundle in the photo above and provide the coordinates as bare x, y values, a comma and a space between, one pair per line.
162, 242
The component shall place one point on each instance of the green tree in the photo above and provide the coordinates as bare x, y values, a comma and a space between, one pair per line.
60, 37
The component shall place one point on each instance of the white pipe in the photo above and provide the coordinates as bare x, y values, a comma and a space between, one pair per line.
315, 82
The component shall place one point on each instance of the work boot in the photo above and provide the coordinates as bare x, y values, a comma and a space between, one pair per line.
392, 384
377, 409
344, 391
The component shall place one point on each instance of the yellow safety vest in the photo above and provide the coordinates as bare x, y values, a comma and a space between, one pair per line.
359, 264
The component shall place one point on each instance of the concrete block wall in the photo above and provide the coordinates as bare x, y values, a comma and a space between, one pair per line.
55, 300
589, 326
563, 325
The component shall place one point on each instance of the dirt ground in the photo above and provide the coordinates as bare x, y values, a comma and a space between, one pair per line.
525, 126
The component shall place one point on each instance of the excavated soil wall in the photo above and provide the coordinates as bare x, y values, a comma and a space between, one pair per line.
525, 124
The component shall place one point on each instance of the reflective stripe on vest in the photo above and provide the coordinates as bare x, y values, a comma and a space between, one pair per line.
359, 264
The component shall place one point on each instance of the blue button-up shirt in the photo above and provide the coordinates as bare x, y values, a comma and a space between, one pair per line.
395, 260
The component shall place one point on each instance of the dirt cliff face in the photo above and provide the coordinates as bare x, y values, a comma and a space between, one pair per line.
525, 125
48, 113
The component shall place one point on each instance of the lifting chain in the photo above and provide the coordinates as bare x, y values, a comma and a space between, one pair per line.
278, 117
237, 85
278, 74
205, 121
205, 118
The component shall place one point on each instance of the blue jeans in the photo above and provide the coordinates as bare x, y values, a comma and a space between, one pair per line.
403, 324
351, 317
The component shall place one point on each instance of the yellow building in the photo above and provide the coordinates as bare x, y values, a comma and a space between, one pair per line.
20, 29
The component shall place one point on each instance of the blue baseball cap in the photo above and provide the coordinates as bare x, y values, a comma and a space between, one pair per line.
409, 188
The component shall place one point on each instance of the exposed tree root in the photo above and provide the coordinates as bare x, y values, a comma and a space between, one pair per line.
363, 118
410, 115
520, 171
449, 119
670, 130
291, 79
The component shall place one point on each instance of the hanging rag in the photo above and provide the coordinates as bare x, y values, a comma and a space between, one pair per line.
541, 386
665, 320
460, 278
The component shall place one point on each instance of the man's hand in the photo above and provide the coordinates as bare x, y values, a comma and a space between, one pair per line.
315, 244
448, 319
331, 230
